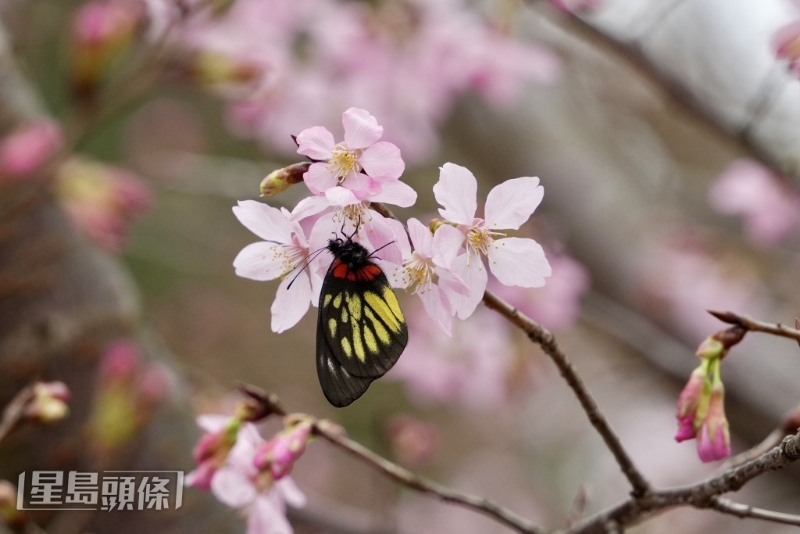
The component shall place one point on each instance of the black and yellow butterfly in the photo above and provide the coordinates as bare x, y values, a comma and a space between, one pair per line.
361, 331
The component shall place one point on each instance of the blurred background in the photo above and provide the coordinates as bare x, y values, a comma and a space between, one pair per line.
664, 134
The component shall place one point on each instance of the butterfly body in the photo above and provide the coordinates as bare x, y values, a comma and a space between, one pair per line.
361, 331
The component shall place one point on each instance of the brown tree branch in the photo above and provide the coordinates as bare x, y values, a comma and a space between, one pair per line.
544, 338
701, 495
726, 506
776, 329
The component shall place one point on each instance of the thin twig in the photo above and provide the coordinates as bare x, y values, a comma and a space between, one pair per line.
14, 412
776, 329
544, 338
726, 506
334, 434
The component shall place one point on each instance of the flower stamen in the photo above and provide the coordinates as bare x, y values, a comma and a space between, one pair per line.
342, 162
480, 238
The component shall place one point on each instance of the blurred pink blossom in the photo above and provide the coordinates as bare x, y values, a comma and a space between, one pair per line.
279, 454
24, 152
406, 61
101, 31
101, 199
769, 207
557, 304
239, 484
414, 442
513, 261
473, 368
681, 279
212, 450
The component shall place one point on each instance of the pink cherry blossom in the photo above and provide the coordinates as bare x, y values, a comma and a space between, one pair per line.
239, 484
338, 171
426, 271
769, 207
513, 261
284, 250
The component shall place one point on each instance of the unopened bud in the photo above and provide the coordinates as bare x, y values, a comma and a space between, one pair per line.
101, 32
49, 402
280, 180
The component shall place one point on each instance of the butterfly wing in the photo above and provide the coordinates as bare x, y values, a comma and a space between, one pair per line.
361, 331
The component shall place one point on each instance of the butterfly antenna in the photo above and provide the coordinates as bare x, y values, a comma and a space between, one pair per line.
311, 257
379, 249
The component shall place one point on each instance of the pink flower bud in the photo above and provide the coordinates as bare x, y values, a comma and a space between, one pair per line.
280, 180
279, 454
211, 452
49, 402
713, 442
101, 32
688, 402
26, 151
101, 199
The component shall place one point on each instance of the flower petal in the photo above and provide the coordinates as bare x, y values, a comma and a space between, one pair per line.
383, 159
266, 222
233, 487
516, 261
437, 306
259, 261
341, 196
310, 206
290, 304
396, 193
451, 283
319, 178
317, 143
360, 128
421, 237
511, 203
212, 422
473, 273
265, 517
290, 493
457, 191
447, 242
361, 185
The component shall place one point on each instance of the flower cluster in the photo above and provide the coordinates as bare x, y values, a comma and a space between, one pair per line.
248, 473
283, 63
701, 404
441, 263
